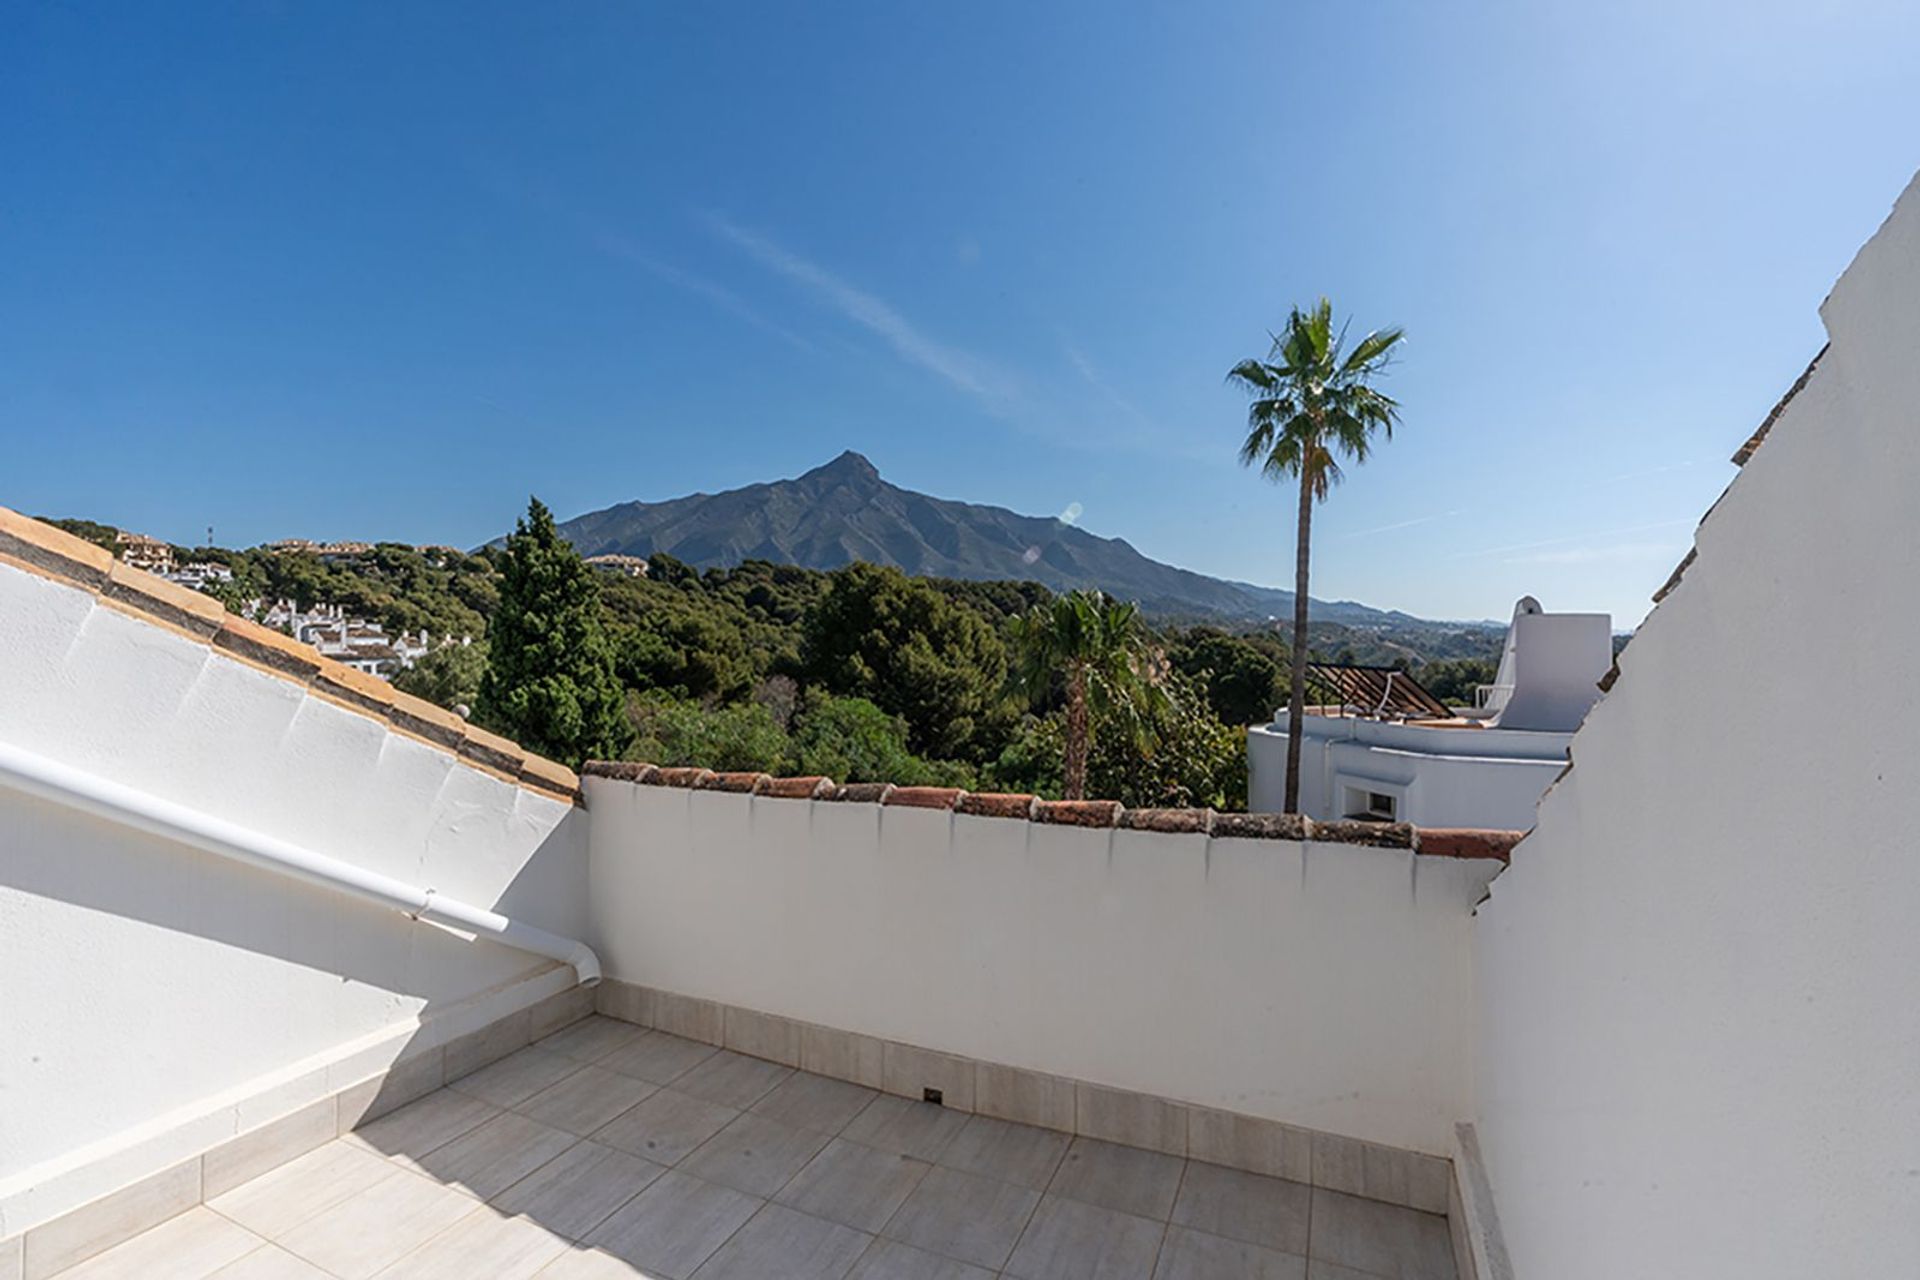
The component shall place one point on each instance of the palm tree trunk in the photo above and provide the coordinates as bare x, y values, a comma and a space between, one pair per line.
1077, 736
1297, 682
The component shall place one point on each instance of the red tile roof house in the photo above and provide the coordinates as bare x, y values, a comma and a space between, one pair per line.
302, 977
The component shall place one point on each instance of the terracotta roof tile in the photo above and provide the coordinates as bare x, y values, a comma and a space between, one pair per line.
54, 551
1745, 452
194, 612
1169, 821
923, 797
1078, 813
1260, 826
993, 804
807, 788
743, 783
860, 793
1466, 842
265, 647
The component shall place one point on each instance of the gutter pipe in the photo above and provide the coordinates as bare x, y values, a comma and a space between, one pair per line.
35, 775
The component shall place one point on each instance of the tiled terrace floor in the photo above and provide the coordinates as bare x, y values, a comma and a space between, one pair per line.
610, 1151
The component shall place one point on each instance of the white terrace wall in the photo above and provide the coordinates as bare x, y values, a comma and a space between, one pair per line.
141, 982
1321, 985
1700, 980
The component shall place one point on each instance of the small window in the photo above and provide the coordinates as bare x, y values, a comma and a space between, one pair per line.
1371, 806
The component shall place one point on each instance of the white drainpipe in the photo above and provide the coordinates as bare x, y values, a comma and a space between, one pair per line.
36, 775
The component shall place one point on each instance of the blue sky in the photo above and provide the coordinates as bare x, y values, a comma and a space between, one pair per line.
384, 270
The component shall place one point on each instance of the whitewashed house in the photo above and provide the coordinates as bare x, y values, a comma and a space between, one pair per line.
1388, 753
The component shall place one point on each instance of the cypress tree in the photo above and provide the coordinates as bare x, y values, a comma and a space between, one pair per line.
550, 684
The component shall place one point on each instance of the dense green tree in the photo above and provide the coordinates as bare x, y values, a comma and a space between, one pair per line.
1456, 681
898, 641
1095, 649
100, 535
1313, 402
549, 683
448, 676
1241, 682
1187, 758
672, 731
851, 740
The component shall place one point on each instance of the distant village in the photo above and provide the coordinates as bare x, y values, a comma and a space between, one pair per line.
361, 643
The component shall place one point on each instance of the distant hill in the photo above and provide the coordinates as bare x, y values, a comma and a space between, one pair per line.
843, 512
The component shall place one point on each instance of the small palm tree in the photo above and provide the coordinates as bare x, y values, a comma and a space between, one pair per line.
1097, 647
1313, 403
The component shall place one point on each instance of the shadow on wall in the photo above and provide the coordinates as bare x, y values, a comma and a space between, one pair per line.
119, 1012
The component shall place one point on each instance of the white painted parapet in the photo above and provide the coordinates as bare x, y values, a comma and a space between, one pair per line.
1324, 985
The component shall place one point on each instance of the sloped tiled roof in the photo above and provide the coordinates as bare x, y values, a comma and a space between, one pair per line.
41, 549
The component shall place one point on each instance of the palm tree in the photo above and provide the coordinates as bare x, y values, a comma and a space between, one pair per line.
1312, 400
1097, 647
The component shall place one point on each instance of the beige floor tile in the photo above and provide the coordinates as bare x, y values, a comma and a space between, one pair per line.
732, 1079
1245, 1206
1318, 1270
483, 1243
918, 1129
1383, 1239
675, 1225
591, 1264
1068, 1240
784, 1244
190, 1246
377, 1227
891, 1260
856, 1186
1194, 1255
578, 1190
755, 1155
487, 1160
422, 1126
270, 1262
1143, 1183
276, 1202
666, 1127
1007, 1151
658, 1057
94, 1228
585, 1100
517, 1077
815, 1102
964, 1216
592, 1038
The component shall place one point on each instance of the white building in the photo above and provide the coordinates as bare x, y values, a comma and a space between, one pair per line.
1386, 760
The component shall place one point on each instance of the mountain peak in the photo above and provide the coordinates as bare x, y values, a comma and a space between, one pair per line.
848, 466
843, 511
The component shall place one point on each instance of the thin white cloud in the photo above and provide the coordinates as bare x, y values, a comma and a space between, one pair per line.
1589, 539
1603, 553
961, 369
718, 295
1402, 524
